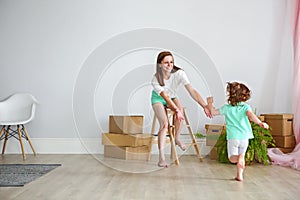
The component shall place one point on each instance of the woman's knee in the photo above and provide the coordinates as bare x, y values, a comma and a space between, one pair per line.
164, 125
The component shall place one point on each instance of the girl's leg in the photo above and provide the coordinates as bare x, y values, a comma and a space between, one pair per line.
241, 159
240, 167
159, 111
234, 157
178, 126
236, 152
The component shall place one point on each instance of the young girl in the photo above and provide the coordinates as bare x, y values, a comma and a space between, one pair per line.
238, 128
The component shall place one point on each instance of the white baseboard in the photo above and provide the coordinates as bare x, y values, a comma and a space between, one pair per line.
56, 146
81, 146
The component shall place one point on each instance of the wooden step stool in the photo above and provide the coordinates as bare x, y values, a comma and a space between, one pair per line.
171, 133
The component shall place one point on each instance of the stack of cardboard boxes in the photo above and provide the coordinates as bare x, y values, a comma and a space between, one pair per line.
213, 131
281, 130
125, 138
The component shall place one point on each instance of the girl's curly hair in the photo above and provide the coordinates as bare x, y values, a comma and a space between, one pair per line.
237, 92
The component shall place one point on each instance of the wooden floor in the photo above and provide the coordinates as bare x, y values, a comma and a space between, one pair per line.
88, 177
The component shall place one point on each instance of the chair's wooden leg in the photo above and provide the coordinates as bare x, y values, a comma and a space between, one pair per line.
28, 138
171, 130
5, 139
21, 142
152, 134
153, 125
2, 131
194, 141
150, 148
174, 155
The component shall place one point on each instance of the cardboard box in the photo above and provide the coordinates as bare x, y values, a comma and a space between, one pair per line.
285, 150
281, 124
213, 131
285, 141
261, 118
124, 140
213, 154
131, 124
127, 153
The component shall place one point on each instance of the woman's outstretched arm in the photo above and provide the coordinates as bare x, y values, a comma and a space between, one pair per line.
198, 98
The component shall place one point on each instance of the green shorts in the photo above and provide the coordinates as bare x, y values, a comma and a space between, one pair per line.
156, 98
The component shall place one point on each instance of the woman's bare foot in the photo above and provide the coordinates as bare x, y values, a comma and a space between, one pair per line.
163, 164
180, 144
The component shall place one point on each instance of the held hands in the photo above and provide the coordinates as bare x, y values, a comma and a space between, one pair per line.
207, 111
264, 125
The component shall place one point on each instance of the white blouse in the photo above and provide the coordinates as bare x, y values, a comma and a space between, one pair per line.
171, 85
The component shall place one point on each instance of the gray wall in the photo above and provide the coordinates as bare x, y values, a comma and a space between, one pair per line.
85, 60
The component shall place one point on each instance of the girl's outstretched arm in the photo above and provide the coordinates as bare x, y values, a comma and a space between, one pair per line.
252, 117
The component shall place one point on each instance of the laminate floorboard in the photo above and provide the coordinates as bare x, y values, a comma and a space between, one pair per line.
89, 177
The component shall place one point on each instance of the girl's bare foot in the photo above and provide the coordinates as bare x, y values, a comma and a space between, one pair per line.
238, 179
180, 144
240, 172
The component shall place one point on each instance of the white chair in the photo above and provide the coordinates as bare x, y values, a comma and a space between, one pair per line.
15, 111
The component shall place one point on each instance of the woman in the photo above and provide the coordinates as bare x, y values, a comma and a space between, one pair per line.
165, 82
